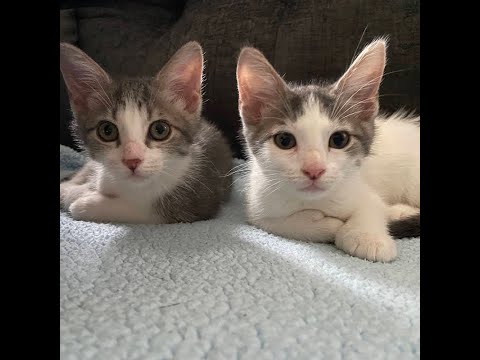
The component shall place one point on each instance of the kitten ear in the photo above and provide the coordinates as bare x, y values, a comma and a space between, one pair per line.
85, 80
180, 80
258, 85
360, 83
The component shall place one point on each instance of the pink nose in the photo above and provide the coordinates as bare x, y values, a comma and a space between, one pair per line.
132, 164
314, 172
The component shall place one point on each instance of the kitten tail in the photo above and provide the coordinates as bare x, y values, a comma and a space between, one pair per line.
405, 228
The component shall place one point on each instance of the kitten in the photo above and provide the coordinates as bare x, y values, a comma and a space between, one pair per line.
323, 165
152, 157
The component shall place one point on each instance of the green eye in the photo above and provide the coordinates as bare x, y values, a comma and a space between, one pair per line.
285, 140
339, 140
159, 130
107, 131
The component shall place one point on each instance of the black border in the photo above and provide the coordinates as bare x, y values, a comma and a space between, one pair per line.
30, 156
448, 181
30, 143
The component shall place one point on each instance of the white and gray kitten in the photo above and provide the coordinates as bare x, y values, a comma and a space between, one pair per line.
152, 157
323, 164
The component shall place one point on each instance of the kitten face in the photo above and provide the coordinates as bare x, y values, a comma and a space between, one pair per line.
140, 128
307, 139
145, 130
311, 166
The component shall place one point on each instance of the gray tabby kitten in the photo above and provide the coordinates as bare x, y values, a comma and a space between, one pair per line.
152, 157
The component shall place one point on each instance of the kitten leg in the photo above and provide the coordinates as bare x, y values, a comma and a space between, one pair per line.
78, 185
305, 225
69, 192
401, 211
365, 234
100, 208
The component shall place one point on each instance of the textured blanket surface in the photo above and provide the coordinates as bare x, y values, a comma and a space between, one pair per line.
221, 289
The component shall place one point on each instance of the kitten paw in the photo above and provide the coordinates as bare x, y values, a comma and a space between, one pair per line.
371, 247
308, 214
325, 226
83, 209
63, 195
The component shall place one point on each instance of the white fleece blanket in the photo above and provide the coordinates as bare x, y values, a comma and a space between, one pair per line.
221, 289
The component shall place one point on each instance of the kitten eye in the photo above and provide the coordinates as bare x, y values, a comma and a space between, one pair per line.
285, 140
159, 130
107, 131
339, 140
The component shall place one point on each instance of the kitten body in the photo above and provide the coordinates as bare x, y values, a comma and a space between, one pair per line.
392, 170
316, 192
166, 163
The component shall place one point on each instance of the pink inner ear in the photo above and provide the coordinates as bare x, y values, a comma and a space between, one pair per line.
187, 86
77, 100
252, 112
82, 100
250, 108
259, 85
360, 83
77, 94
85, 80
251, 102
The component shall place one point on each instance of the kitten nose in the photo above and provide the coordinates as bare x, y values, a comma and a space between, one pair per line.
132, 164
313, 172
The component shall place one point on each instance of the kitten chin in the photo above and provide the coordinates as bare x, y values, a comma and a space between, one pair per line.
152, 157
312, 192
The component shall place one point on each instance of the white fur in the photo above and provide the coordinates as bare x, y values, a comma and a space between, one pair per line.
348, 205
393, 169
351, 209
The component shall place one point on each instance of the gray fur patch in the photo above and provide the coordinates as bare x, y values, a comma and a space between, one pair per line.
200, 195
143, 94
202, 190
289, 110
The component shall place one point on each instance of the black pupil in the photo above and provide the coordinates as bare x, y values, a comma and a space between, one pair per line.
285, 140
108, 130
159, 128
338, 139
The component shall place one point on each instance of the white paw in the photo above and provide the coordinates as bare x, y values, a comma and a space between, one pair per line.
308, 215
328, 228
66, 197
368, 246
63, 196
83, 209
325, 226
330, 223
